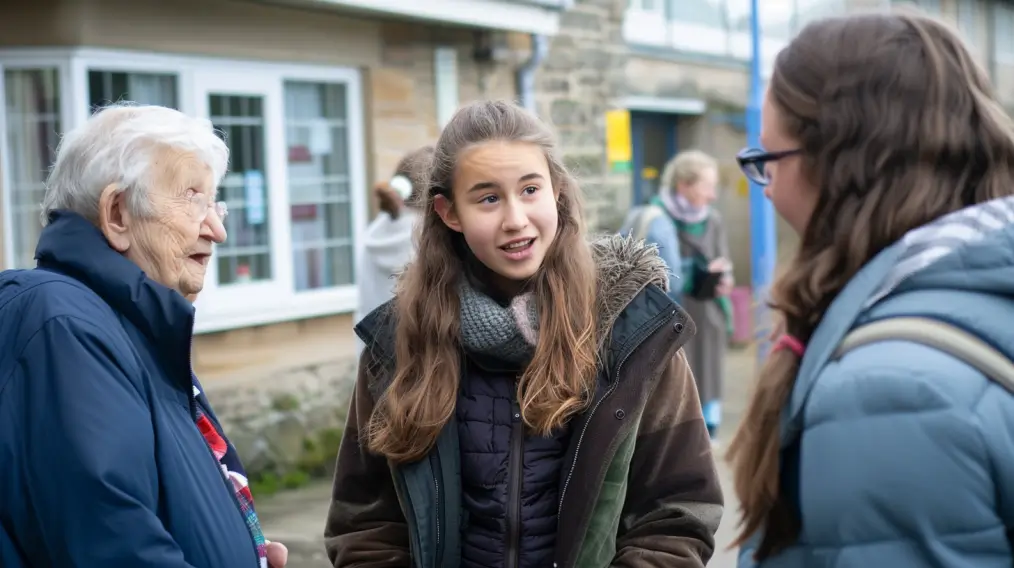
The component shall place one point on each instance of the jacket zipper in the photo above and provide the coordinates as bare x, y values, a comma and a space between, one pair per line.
661, 319
415, 544
438, 506
228, 484
515, 472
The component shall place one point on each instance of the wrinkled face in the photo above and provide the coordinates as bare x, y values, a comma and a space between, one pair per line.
791, 192
703, 191
173, 246
504, 203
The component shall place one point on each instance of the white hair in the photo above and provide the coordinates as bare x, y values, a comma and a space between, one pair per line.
687, 167
120, 144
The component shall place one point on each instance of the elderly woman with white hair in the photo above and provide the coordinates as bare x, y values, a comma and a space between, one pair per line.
691, 238
110, 455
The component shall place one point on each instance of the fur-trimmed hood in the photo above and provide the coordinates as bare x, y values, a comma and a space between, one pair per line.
625, 267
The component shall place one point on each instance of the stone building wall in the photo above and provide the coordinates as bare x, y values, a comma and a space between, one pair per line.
581, 78
287, 426
402, 103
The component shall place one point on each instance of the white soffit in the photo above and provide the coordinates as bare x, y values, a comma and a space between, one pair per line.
666, 105
493, 14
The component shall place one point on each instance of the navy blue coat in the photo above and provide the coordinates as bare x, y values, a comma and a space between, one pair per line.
101, 462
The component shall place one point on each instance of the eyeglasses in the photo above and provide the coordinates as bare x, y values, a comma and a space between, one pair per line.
201, 205
753, 162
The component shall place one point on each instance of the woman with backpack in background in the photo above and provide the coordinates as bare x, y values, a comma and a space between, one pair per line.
692, 239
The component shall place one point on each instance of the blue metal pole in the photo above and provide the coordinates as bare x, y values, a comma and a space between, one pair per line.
763, 244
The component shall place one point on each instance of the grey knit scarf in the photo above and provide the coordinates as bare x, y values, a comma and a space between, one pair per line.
507, 333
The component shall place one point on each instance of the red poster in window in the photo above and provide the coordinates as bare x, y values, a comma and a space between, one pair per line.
299, 154
303, 212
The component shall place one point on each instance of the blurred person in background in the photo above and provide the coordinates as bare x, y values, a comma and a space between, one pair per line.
388, 244
110, 454
886, 148
692, 239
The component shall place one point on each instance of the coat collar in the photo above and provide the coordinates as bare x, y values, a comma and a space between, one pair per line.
73, 246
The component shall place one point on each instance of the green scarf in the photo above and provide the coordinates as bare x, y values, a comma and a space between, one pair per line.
687, 268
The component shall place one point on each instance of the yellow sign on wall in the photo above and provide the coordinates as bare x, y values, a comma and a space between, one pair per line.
619, 147
743, 187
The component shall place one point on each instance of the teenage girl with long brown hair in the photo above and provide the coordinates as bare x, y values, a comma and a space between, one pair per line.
523, 401
886, 149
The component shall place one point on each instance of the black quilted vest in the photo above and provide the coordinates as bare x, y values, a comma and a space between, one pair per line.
510, 479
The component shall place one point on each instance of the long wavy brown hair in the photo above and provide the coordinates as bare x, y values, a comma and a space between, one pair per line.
558, 381
898, 126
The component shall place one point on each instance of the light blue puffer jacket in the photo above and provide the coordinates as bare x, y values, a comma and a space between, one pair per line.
898, 455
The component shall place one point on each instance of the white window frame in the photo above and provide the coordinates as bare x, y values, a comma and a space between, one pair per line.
931, 7
968, 20
699, 37
446, 83
658, 28
1002, 16
221, 308
26, 59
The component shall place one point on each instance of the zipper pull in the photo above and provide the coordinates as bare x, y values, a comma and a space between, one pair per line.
515, 406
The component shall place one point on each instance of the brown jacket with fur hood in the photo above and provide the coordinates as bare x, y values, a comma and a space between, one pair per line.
639, 485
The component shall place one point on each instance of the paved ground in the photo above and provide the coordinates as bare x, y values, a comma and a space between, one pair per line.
297, 518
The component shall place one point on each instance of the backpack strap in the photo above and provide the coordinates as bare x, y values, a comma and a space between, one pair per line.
644, 220
938, 335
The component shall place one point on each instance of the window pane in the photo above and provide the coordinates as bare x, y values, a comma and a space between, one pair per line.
810, 10
246, 255
107, 87
737, 15
777, 18
33, 127
702, 12
971, 23
319, 196
1003, 40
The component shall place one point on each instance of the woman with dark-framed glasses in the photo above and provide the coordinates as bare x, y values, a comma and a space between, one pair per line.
886, 149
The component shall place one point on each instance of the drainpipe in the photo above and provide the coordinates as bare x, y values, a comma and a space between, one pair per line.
526, 73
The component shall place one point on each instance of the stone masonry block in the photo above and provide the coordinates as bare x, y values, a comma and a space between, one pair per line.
567, 112
279, 421
595, 59
555, 85
576, 19
585, 165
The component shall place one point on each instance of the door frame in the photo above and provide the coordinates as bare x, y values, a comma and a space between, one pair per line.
639, 121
